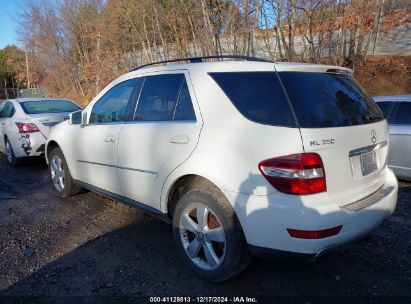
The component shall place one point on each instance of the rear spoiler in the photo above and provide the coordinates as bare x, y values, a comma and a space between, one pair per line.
315, 68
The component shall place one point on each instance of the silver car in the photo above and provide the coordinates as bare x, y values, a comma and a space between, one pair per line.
397, 110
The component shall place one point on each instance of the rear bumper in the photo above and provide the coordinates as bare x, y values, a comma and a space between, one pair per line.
29, 144
265, 226
268, 253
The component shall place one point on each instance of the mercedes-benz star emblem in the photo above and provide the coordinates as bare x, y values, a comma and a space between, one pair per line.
373, 136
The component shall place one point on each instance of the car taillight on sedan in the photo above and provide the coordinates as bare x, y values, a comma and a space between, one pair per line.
27, 127
298, 174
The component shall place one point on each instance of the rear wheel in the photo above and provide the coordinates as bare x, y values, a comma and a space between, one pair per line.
208, 235
60, 174
12, 160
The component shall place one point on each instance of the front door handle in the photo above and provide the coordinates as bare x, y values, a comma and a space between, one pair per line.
110, 139
180, 139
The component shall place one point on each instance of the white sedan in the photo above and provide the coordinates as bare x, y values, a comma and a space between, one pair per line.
26, 122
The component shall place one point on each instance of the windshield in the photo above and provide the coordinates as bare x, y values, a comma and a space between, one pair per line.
49, 106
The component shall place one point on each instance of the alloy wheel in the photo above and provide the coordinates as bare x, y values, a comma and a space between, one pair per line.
57, 173
9, 152
202, 236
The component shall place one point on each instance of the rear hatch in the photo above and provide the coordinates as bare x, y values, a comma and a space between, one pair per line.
340, 122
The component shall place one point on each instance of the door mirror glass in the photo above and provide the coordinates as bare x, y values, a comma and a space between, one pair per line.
75, 118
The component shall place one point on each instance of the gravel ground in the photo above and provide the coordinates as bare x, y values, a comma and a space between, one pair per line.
91, 246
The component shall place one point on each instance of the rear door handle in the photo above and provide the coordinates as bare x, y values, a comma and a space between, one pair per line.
110, 139
179, 139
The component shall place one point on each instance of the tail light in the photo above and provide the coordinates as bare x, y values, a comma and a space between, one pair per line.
27, 127
298, 174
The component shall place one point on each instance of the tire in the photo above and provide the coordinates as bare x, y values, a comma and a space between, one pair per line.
221, 235
11, 158
60, 175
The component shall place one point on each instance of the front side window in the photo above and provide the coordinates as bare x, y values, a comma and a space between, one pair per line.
8, 110
112, 106
2, 106
164, 98
402, 114
49, 106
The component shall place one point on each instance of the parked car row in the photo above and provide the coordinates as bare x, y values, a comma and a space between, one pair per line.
242, 157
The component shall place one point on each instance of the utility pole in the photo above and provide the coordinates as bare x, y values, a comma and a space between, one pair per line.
98, 64
379, 17
27, 69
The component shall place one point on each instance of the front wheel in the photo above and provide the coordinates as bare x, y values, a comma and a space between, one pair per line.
208, 235
60, 174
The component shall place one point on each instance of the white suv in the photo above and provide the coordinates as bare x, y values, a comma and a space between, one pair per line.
242, 156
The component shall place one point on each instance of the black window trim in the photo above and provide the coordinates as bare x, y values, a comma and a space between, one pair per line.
137, 100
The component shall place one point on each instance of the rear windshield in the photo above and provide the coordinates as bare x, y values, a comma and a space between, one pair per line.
49, 106
323, 100
258, 96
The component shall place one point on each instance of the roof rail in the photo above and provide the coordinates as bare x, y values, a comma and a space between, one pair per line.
200, 59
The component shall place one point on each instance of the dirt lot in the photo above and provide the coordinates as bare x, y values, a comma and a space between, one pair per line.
91, 246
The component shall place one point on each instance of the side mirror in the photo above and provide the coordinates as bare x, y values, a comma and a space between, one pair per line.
75, 118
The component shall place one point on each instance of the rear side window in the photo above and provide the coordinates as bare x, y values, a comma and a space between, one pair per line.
323, 100
184, 109
402, 114
258, 96
48, 106
165, 98
386, 108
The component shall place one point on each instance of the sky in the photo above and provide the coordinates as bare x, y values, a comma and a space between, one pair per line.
9, 10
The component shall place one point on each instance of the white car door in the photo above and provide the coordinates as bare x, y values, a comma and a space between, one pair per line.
7, 126
96, 143
164, 132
